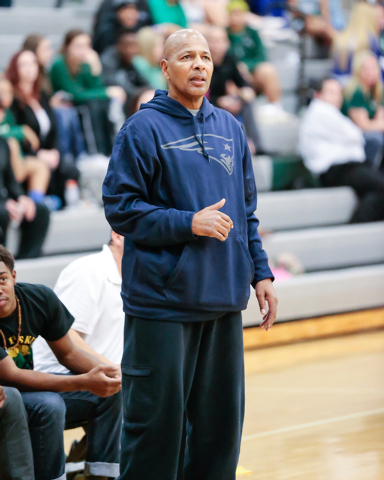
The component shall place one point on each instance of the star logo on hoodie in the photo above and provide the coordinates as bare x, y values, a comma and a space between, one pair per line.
214, 145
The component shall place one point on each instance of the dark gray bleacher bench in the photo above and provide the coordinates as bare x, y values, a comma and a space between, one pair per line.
324, 293
331, 247
317, 249
305, 208
80, 230
303, 296
45, 21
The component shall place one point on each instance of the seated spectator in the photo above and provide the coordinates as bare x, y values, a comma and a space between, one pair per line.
113, 16
78, 72
322, 18
118, 68
332, 147
150, 46
31, 107
32, 217
54, 401
167, 11
90, 288
249, 51
15, 445
28, 170
361, 34
70, 137
363, 103
228, 89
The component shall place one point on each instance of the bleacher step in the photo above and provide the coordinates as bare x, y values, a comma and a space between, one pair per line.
331, 247
324, 293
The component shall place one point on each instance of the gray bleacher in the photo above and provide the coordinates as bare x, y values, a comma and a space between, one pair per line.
337, 248
16, 23
312, 224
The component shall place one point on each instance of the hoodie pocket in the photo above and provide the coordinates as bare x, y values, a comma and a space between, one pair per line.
212, 275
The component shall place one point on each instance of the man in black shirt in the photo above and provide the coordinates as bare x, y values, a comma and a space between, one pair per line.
228, 89
15, 206
54, 401
118, 68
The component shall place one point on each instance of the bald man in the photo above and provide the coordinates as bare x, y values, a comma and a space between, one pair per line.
180, 188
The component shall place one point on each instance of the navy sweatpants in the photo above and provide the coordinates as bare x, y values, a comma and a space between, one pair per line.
183, 399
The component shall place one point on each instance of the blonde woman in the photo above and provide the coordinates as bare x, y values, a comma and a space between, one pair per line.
363, 103
150, 44
361, 34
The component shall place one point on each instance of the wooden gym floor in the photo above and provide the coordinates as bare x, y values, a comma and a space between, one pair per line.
315, 409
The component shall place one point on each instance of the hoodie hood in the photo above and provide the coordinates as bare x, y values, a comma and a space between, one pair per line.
163, 103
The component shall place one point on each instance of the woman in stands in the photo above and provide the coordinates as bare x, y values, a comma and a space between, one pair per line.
31, 107
150, 44
70, 136
27, 170
363, 103
77, 71
360, 34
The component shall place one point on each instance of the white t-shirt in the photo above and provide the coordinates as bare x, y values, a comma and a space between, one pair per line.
327, 137
90, 288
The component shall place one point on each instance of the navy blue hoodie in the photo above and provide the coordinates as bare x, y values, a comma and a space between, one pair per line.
166, 165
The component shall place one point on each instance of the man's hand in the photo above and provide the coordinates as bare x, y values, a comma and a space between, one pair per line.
29, 207
15, 210
266, 293
209, 222
3, 397
103, 381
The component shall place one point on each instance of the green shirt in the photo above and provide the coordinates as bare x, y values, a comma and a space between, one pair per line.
42, 313
153, 75
83, 86
9, 128
360, 99
163, 12
247, 47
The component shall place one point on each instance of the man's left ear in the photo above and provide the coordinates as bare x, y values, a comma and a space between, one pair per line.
14, 277
164, 68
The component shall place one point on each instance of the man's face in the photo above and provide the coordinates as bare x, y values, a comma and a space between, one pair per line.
127, 47
189, 66
7, 290
218, 44
332, 93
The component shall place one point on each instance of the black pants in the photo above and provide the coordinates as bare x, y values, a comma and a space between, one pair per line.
368, 184
183, 399
32, 233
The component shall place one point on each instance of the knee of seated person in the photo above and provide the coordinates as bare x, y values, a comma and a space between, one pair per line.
52, 409
265, 69
14, 403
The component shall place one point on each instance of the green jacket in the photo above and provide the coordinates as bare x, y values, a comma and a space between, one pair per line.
163, 12
153, 75
247, 47
360, 99
9, 127
84, 86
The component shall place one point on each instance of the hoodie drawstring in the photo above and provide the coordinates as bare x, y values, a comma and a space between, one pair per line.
201, 142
